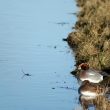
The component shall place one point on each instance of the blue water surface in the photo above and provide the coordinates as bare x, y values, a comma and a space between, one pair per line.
31, 33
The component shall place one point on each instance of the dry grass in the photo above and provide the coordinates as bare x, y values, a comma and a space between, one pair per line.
91, 38
91, 41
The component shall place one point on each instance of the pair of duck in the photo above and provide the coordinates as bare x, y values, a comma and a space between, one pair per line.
90, 81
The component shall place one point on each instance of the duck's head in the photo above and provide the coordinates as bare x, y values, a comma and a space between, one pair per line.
83, 66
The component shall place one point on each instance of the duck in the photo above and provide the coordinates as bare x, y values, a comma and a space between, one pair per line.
92, 90
90, 74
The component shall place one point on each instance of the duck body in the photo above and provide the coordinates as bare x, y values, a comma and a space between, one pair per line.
92, 75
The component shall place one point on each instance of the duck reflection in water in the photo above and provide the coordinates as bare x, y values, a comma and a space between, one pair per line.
91, 89
97, 103
93, 95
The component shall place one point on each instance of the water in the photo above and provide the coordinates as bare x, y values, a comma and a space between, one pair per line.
31, 33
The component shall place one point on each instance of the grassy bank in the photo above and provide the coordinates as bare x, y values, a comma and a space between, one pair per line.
90, 39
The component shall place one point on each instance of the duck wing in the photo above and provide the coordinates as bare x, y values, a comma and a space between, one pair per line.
94, 72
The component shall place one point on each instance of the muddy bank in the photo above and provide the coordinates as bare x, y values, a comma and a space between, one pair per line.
90, 39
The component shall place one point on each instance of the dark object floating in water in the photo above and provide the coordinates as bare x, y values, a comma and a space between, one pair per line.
25, 74
68, 88
64, 39
73, 13
62, 23
55, 47
57, 82
53, 88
